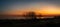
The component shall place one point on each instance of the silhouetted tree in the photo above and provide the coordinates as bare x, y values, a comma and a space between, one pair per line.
58, 17
31, 15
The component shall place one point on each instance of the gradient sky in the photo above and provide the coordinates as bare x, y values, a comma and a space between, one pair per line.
38, 6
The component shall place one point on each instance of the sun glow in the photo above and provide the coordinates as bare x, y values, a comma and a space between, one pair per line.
50, 9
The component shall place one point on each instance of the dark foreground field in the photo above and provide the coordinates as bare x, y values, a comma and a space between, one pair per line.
54, 22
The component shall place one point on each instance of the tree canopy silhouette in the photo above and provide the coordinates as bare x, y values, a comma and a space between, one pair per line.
31, 15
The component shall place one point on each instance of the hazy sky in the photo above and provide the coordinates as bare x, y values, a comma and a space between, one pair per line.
18, 7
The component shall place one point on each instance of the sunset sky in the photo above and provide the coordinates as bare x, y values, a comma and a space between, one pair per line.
44, 7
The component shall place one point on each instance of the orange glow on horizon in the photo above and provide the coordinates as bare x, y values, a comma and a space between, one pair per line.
44, 10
